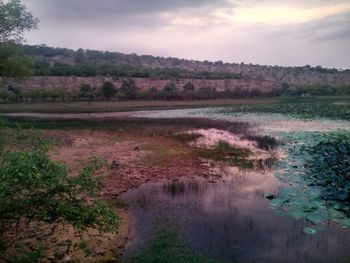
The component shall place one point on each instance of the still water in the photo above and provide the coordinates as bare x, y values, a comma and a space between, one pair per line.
229, 219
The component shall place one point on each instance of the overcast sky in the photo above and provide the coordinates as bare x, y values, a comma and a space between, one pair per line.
270, 32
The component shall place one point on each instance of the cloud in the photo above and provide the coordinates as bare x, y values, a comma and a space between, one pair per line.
92, 9
330, 28
314, 31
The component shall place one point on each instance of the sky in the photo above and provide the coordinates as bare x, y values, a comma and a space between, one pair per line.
266, 32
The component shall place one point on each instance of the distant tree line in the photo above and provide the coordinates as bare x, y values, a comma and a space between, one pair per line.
45, 68
170, 91
97, 56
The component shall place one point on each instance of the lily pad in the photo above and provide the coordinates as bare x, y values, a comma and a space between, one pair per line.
309, 230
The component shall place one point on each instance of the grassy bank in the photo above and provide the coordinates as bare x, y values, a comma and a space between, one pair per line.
119, 106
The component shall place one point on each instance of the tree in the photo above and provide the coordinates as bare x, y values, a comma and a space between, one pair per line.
188, 91
108, 90
14, 21
12, 63
152, 93
88, 92
129, 89
170, 91
207, 93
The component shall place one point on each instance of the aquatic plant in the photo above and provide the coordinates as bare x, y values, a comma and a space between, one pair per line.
166, 247
227, 153
317, 171
328, 163
304, 110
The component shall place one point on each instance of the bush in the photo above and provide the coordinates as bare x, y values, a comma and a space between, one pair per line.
35, 188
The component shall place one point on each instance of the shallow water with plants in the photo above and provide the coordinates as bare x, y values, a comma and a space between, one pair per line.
295, 211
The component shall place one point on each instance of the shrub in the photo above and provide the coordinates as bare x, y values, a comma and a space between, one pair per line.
35, 188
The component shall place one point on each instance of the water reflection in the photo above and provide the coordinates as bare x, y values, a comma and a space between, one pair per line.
229, 219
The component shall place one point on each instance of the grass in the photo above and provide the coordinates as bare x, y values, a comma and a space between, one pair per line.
186, 137
160, 153
224, 152
166, 248
119, 106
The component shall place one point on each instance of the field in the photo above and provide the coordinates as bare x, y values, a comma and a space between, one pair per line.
188, 182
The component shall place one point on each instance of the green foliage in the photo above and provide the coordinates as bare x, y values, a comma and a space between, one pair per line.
108, 90
14, 21
188, 91
27, 257
320, 90
35, 188
167, 248
152, 94
170, 91
206, 93
87, 92
129, 89
12, 62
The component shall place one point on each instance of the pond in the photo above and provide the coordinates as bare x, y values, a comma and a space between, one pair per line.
229, 218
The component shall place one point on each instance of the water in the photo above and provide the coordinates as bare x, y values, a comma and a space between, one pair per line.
230, 220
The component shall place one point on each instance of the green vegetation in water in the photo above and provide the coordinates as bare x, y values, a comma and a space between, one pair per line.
328, 165
227, 153
167, 248
306, 109
317, 171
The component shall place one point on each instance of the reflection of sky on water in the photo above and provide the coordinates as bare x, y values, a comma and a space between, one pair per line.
230, 219
266, 122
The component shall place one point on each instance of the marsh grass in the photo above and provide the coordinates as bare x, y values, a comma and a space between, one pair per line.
160, 153
186, 137
118, 106
166, 247
229, 154
264, 142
